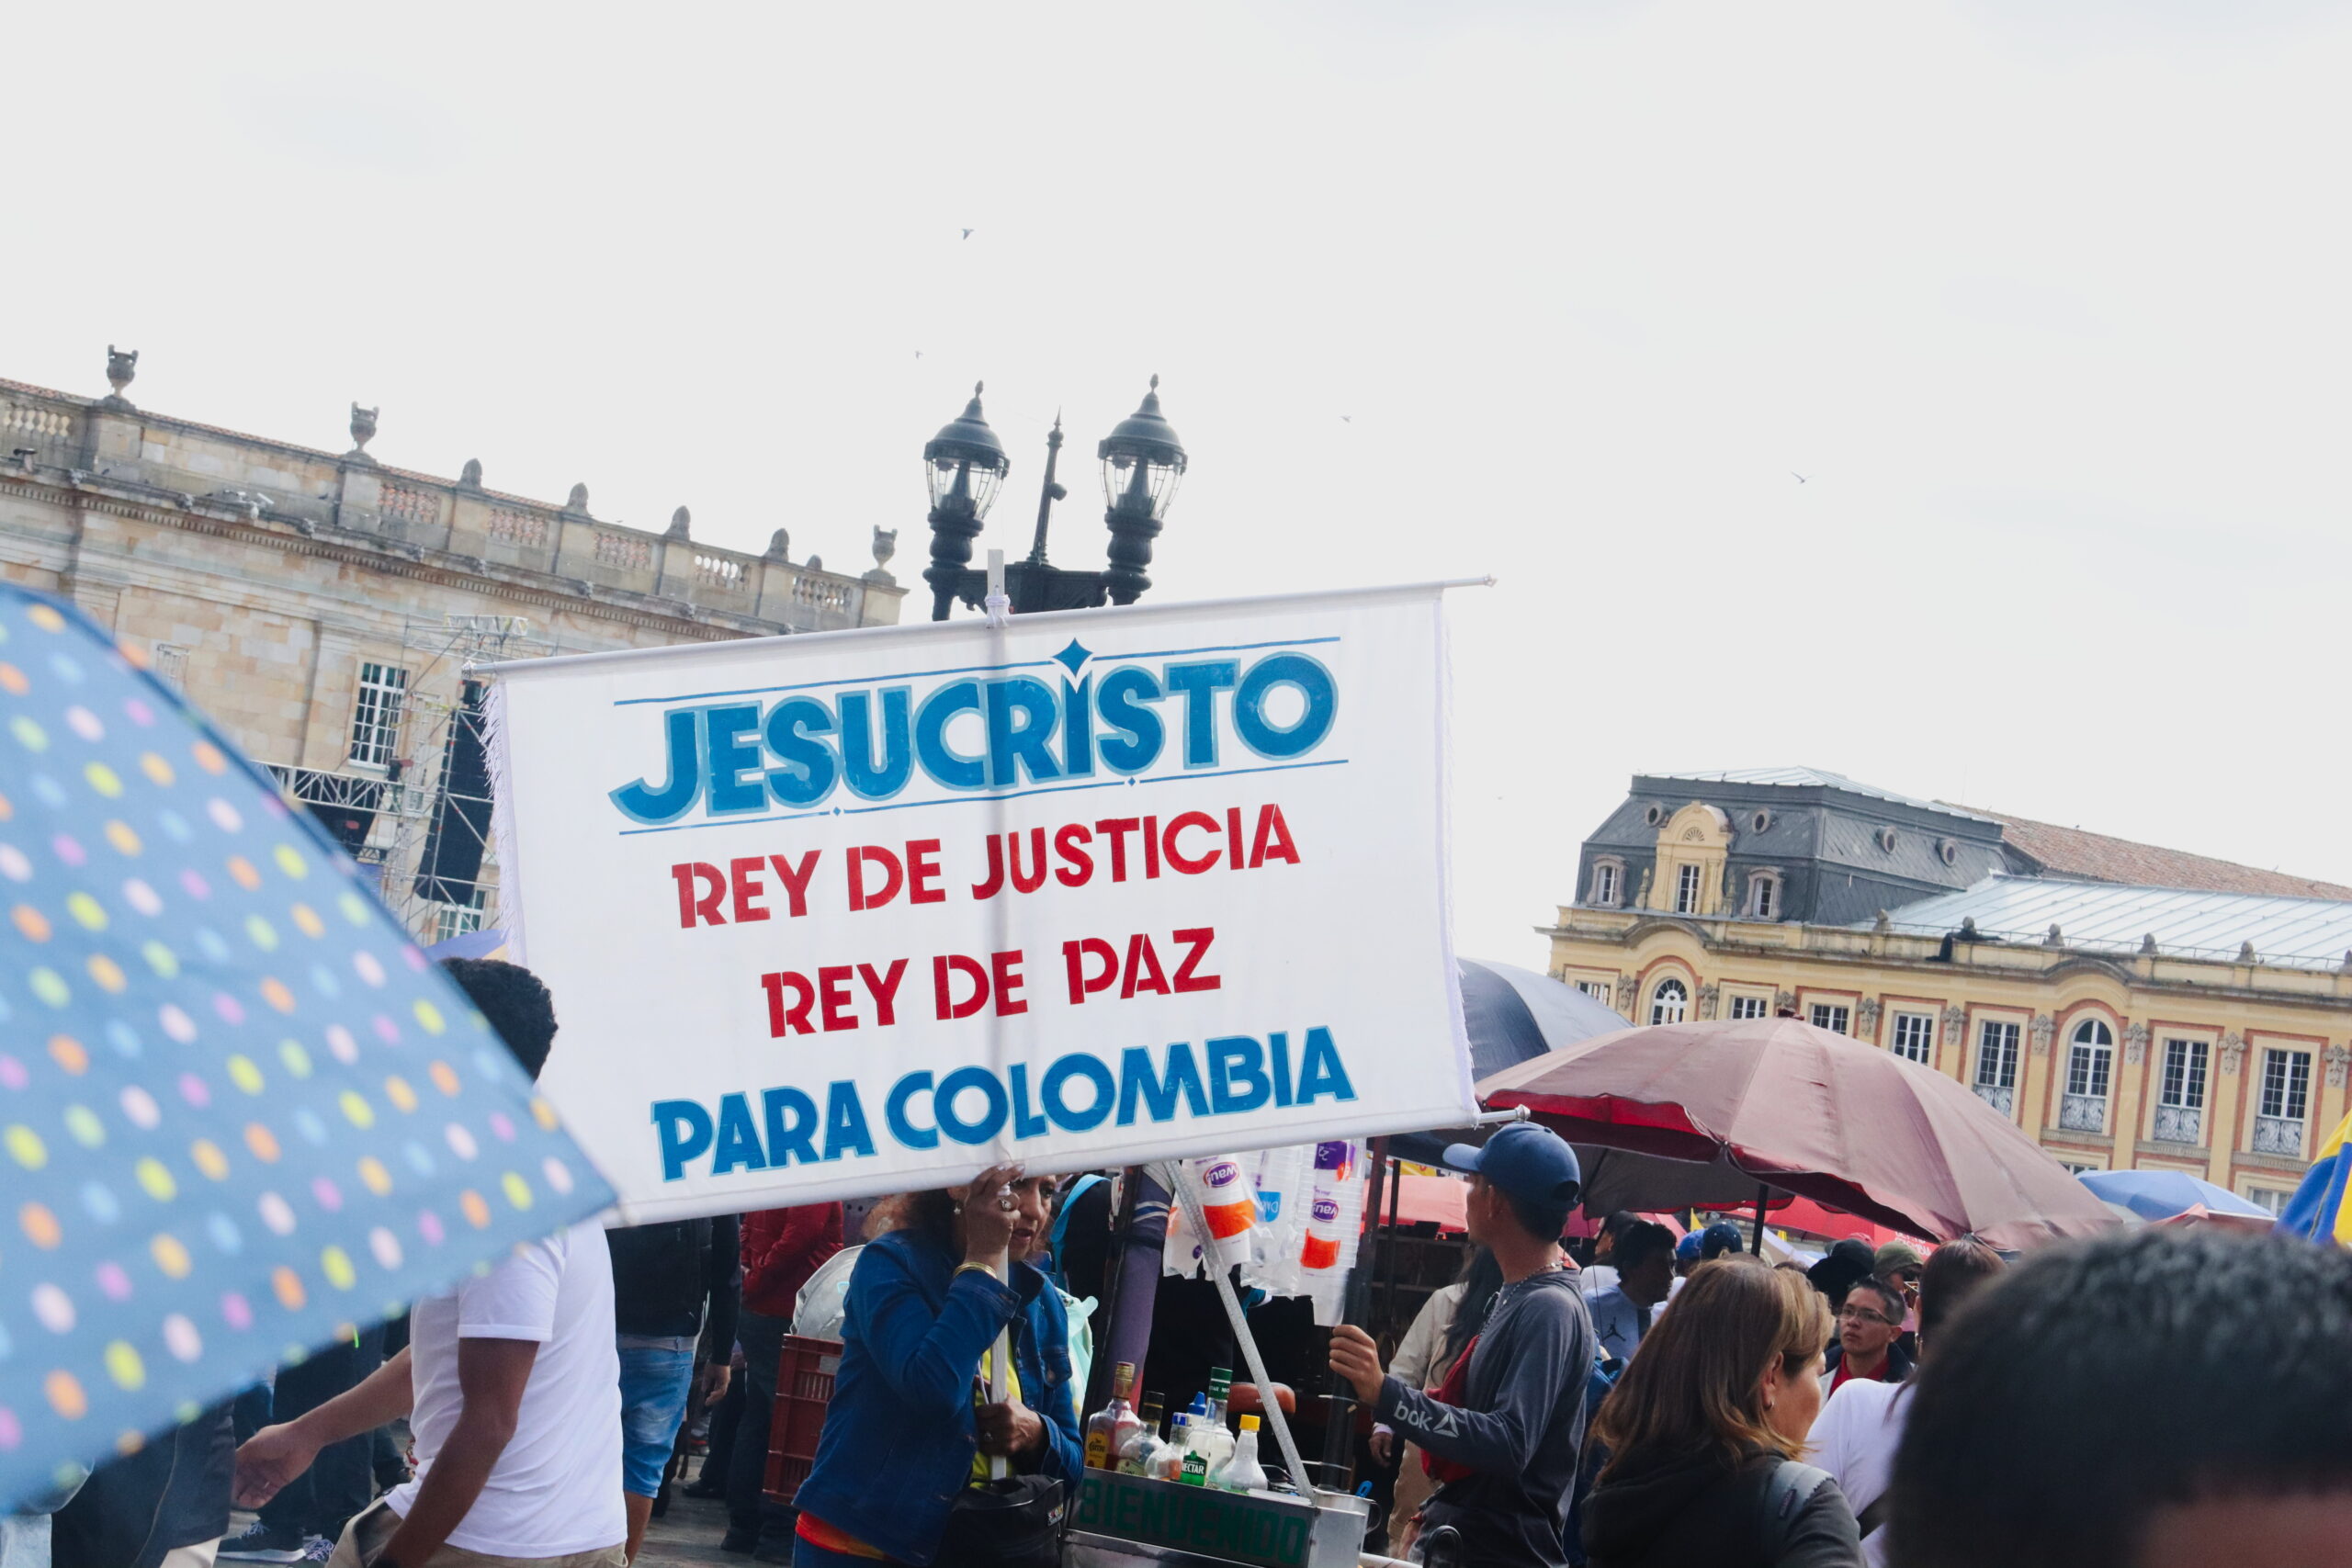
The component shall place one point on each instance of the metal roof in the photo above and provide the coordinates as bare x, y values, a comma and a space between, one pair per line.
2103, 917
1814, 778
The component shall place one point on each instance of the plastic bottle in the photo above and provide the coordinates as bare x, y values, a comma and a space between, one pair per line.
1319, 1253
1108, 1429
1242, 1472
1228, 1203
1135, 1455
1192, 1464
1167, 1463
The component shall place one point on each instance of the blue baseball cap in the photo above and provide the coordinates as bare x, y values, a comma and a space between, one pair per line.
1532, 1163
1687, 1249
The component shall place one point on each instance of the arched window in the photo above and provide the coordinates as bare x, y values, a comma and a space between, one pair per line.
1608, 879
2090, 1059
1669, 1002
1764, 896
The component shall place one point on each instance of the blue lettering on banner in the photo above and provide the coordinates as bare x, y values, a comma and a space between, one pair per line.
974, 1105
741, 758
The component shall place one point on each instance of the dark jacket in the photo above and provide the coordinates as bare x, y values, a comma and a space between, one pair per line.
174, 1492
899, 1435
664, 1274
1701, 1513
1518, 1426
1898, 1364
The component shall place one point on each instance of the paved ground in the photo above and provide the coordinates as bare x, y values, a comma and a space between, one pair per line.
688, 1536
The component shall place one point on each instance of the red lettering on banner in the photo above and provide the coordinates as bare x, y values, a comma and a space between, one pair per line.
1143, 971
1116, 829
1150, 847
1005, 969
832, 992
1074, 957
893, 876
923, 872
703, 903
1176, 856
743, 874
884, 990
942, 970
1273, 841
1233, 837
1077, 865
1197, 943
792, 1020
796, 880
995, 883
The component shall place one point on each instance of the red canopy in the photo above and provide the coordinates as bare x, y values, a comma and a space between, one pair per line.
1812, 1114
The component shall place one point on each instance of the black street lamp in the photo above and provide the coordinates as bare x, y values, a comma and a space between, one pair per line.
1142, 461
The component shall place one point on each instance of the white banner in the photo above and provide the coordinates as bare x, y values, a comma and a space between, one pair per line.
857, 912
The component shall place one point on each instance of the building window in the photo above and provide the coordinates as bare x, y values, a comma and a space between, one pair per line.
1996, 1064
455, 920
1669, 1002
2285, 1101
1607, 877
1686, 891
2271, 1198
2075, 1167
1829, 1016
376, 717
2089, 1063
169, 664
1748, 1007
1914, 1036
2180, 1094
1764, 896
1597, 989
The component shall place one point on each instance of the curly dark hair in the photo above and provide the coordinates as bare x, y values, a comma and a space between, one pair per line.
2097, 1383
515, 1002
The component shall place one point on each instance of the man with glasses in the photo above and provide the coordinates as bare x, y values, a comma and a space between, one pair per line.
1868, 1325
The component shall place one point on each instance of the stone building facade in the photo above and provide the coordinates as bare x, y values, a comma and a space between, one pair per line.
2201, 1022
323, 607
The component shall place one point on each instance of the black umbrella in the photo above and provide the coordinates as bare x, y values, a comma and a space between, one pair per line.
1511, 1014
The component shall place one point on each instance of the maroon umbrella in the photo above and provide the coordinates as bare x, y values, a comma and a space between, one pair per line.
1811, 1112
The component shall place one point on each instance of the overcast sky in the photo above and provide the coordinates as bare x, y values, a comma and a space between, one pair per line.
2048, 301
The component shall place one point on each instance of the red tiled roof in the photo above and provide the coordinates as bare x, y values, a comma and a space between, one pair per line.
2095, 857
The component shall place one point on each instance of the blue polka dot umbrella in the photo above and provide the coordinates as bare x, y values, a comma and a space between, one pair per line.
240, 1113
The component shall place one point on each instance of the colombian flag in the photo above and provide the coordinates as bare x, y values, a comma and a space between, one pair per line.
2317, 1212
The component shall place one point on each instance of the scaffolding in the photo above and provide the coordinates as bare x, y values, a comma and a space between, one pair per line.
431, 834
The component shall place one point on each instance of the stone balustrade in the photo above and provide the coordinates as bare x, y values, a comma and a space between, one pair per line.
353, 493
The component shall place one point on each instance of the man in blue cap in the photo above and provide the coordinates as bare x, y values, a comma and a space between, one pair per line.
1502, 1430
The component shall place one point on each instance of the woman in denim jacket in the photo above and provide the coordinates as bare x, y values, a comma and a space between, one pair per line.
906, 1431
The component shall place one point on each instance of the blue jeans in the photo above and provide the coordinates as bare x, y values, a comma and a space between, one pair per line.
654, 1385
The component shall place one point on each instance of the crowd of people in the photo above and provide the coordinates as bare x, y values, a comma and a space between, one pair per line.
2152, 1398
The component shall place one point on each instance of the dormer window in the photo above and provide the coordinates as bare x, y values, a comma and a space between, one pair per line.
1764, 896
1608, 883
1686, 891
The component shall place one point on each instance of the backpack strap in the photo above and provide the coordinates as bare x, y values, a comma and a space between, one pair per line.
1871, 1517
1789, 1488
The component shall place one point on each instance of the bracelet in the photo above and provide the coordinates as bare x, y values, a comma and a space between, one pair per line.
975, 1269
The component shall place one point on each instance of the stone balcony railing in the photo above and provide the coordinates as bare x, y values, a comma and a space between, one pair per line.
180, 461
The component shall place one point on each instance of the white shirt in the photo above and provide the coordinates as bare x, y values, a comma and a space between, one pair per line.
1596, 1278
556, 1488
1855, 1439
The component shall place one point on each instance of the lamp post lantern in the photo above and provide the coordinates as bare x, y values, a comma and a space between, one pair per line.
966, 465
1141, 460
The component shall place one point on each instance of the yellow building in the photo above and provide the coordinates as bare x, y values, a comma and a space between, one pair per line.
2126, 1005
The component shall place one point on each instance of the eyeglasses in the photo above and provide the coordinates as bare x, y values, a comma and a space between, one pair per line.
1863, 1315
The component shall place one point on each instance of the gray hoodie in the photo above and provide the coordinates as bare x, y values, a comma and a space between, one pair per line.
1518, 1426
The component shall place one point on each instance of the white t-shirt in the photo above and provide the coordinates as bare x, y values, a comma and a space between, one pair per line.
1596, 1278
556, 1488
1855, 1439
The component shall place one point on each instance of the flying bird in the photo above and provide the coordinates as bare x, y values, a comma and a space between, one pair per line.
1347, 419
967, 234
1801, 478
